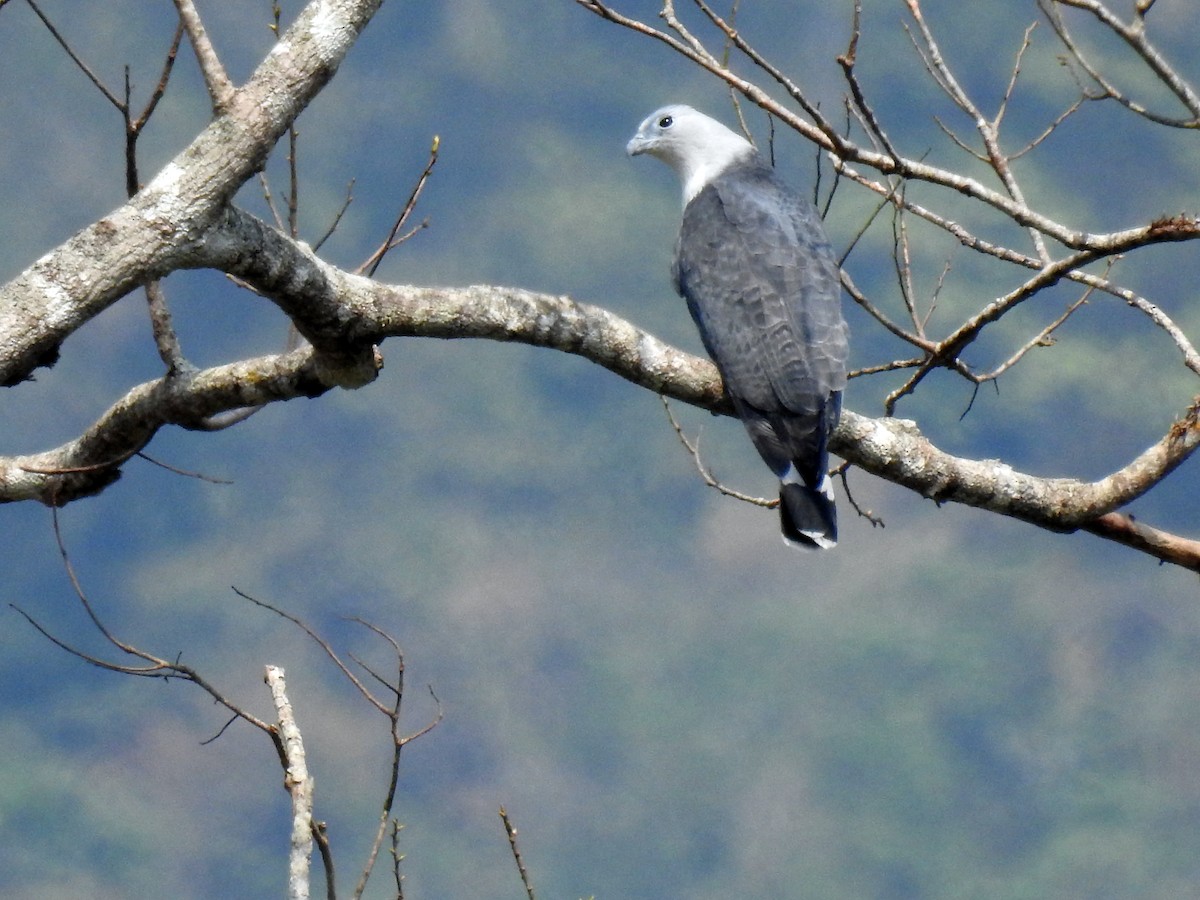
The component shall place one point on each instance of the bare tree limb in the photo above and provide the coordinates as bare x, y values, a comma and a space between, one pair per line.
299, 784
220, 89
1133, 33
693, 449
890, 448
153, 234
149, 665
183, 219
391, 709
75, 58
391, 241
821, 132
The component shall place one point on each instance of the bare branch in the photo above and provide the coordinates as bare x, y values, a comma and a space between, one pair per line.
1041, 339
75, 58
372, 262
842, 471
516, 853
869, 119
92, 461
845, 151
154, 666
392, 710
184, 472
160, 88
398, 743
1039, 139
337, 218
693, 449
1169, 548
1057, 504
370, 311
324, 645
298, 782
269, 198
397, 858
151, 234
1178, 228
989, 129
320, 837
183, 219
170, 351
220, 88
293, 184
1133, 33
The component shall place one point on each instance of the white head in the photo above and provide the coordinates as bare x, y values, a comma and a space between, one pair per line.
696, 147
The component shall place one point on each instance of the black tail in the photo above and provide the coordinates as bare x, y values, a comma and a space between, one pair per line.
807, 514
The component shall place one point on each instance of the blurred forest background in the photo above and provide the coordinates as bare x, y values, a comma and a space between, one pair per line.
668, 701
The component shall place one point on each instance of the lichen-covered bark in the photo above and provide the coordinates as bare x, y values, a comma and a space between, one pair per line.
183, 219
156, 232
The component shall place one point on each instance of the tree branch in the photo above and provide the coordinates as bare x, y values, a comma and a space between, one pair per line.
183, 219
340, 307
153, 234
298, 782
1133, 33
825, 136
220, 88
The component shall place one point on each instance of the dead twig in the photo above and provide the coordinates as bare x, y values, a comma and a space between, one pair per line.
705, 473
511, 831
391, 241
391, 708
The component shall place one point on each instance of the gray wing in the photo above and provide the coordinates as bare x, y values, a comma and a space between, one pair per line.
762, 285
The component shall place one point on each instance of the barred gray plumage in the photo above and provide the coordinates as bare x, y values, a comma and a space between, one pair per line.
762, 285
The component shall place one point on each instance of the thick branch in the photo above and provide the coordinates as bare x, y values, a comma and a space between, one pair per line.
154, 233
340, 309
92, 461
182, 220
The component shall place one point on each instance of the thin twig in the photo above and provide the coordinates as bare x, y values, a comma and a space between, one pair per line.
397, 858
989, 129
323, 644
1041, 339
847, 61
155, 666
705, 473
186, 473
293, 184
373, 261
75, 58
320, 835
842, 471
516, 853
390, 709
269, 198
1133, 33
319, 242
845, 152
170, 351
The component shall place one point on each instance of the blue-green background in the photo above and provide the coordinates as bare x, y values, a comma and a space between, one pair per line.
668, 701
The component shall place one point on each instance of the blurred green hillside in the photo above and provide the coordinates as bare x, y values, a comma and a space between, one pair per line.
668, 701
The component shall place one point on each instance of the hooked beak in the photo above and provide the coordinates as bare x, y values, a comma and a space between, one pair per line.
637, 144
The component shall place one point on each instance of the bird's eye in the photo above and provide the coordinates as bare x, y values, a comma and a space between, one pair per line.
666, 122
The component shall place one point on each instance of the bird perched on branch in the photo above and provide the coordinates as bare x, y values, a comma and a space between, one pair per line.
762, 285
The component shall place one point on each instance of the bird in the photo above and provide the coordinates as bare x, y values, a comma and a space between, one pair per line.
763, 287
